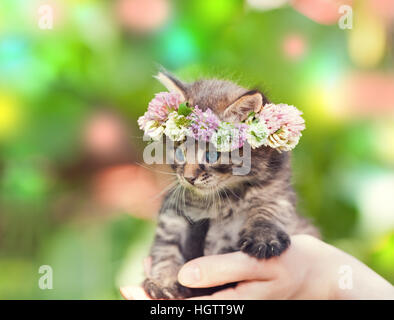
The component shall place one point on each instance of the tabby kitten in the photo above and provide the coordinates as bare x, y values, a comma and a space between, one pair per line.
213, 211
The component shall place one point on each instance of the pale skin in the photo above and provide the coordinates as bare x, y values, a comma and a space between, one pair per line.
308, 269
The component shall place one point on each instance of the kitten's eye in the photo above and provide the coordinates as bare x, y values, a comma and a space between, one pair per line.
212, 156
179, 155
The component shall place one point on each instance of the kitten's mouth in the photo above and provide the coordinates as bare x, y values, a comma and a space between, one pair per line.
199, 188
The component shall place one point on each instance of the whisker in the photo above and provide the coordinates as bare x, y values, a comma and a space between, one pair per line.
166, 189
156, 170
183, 197
219, 202
179, 189
225, 192
233, 193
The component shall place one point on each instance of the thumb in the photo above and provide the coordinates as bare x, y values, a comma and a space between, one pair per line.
209, 271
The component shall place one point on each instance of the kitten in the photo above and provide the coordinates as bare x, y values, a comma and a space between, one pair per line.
214, 211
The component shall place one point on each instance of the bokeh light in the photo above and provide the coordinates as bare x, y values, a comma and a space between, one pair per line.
321, 11
383, 8
294, 46
375, 203
382, 255
104, 134
114, 186
266, 4
143, 15
86, 15
385, 141
359, 95
367, 39
178, 47
213, 13
13, 54
10, 116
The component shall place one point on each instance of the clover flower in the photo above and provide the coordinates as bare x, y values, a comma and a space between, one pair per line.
176, 127
276, 116
142, 121
229, 137
284, 124
278, 126
203, 123
159, 108
154, 129
256, 134
283, 140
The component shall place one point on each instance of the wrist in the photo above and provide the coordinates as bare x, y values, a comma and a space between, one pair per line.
353, 280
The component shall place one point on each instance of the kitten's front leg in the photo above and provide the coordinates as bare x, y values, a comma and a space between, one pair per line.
262, 236
167, 258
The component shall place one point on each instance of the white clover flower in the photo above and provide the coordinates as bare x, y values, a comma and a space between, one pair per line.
256, 134
176, 127
154, 130
222, 142
228, 137
283, 140
221, 138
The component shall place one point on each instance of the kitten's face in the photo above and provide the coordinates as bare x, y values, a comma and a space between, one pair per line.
203, 169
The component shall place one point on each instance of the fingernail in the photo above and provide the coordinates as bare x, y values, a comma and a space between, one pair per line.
189, 275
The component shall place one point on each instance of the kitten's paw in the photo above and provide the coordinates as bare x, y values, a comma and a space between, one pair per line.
262, 244
157, 291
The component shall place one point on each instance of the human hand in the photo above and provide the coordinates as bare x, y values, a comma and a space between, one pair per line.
309, 269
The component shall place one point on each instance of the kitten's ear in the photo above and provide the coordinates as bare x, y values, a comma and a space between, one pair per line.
243, 106
171, 83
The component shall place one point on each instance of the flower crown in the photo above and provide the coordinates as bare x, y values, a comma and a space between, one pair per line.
278, 126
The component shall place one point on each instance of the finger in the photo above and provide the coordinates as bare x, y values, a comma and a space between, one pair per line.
249, 290
147, 266
216, 270
134, 293
262, 290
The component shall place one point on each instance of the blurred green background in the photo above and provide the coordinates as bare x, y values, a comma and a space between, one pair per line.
72, 195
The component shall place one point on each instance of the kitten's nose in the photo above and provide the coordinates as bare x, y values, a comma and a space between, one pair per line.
190, 172
191, 180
